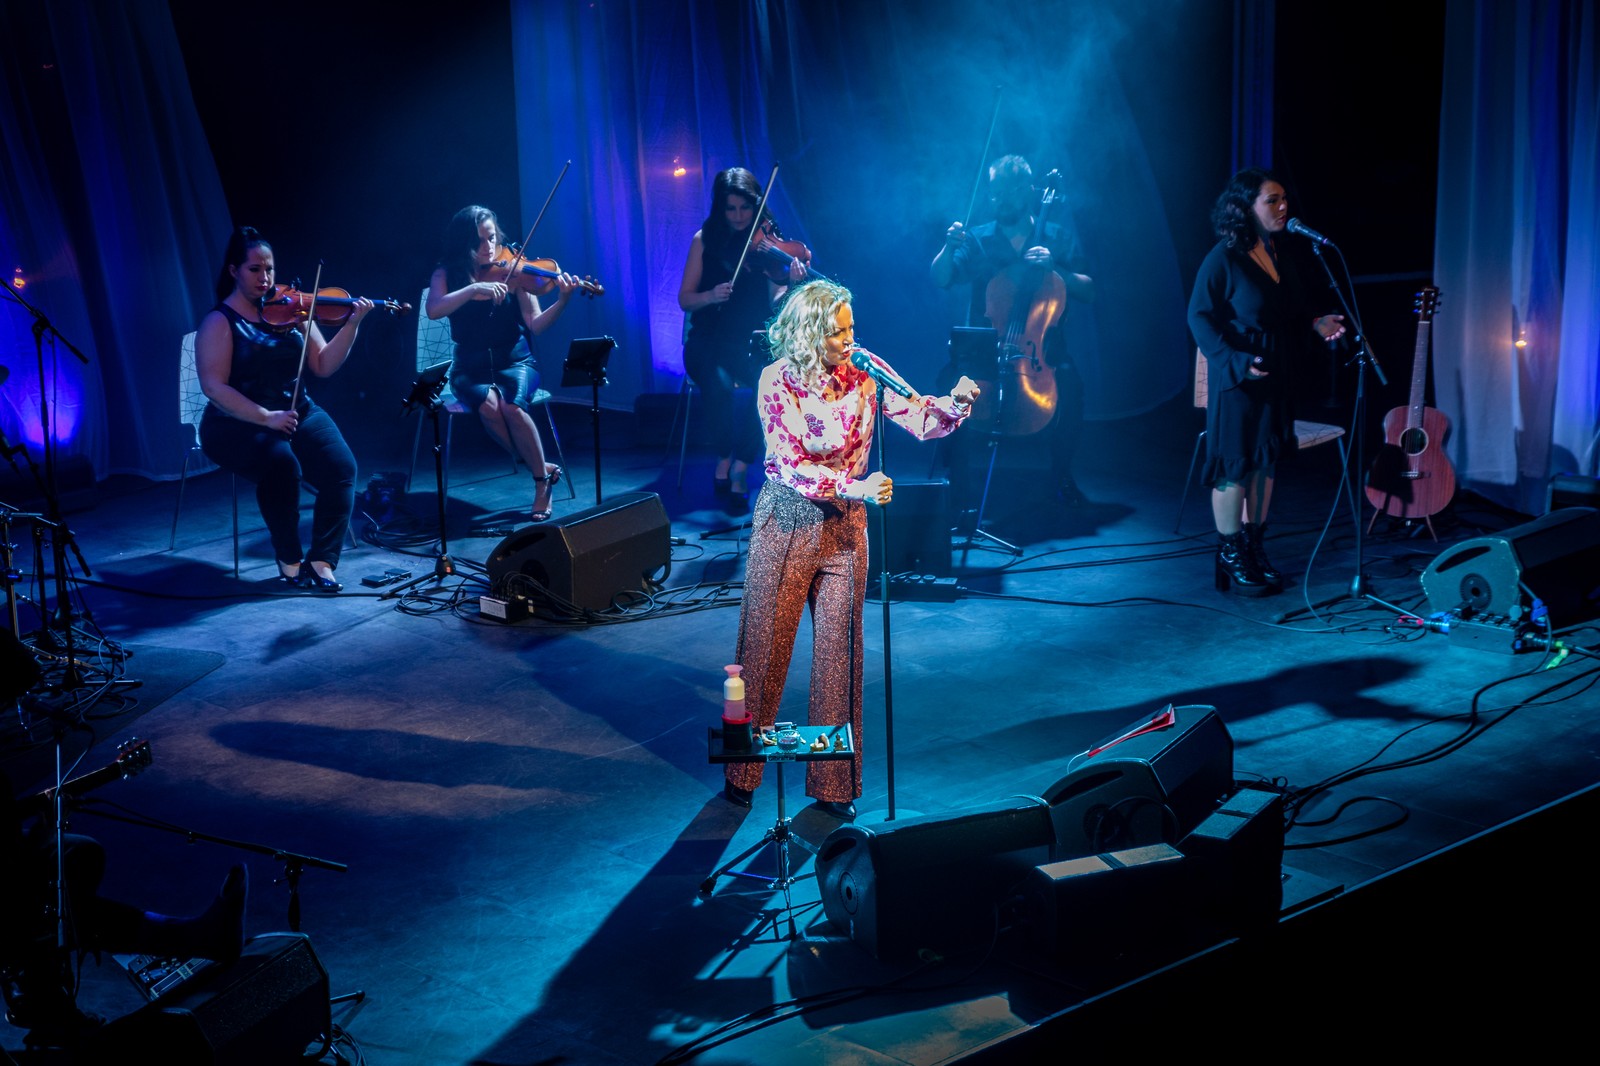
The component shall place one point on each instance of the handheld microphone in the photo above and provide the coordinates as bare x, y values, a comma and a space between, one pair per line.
880, 372
1296, 226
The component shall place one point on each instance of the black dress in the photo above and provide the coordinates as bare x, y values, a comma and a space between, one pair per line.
1237, 313
491, 352
717, 352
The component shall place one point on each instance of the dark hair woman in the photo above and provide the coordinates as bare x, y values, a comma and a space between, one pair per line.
722, 317
257, 428
1250, 319
493, 370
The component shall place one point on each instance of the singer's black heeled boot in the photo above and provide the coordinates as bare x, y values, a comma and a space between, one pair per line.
1235, 570
1255, 545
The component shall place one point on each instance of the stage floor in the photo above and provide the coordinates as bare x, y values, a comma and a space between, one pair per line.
527, 811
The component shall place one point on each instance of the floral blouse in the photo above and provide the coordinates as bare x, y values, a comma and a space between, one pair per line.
819, 437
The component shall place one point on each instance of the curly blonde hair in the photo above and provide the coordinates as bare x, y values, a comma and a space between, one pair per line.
803, 324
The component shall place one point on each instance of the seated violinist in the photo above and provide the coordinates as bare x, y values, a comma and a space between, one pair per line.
262, 423
492, 315
723, 313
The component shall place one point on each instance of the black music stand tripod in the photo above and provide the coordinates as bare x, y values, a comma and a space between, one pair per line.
840, 744
425, 392
586, 365
974, 351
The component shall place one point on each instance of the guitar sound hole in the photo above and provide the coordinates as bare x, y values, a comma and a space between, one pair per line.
1414, 441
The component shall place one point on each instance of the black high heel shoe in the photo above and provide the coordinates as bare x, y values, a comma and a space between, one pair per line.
1254, 537
294, 580
1234, 569
845, 812
317, 583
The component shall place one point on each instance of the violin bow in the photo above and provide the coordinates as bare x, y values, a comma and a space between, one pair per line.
305, 338
761, 209
983, 160
522, 250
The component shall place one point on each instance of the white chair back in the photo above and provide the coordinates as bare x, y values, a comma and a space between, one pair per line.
191, 401
434, 346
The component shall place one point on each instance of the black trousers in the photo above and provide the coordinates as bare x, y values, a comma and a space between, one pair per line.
316, 454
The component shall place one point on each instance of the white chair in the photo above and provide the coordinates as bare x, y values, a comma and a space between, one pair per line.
1306, 434
434, 346
191, 405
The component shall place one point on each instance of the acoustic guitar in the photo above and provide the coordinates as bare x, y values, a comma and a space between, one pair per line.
1411, 476
132, 757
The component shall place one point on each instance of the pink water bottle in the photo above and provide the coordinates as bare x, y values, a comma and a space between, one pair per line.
737, 734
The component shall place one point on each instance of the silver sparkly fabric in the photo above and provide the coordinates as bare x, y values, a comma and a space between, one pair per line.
805, 552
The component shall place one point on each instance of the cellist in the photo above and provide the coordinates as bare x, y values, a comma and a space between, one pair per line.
979, 257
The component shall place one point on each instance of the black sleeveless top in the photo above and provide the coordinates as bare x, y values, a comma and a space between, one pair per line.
484, 324
264, 364
747, 310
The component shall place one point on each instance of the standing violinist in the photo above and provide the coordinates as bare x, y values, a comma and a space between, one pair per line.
722, 317
259, 427
995, 248
490, 322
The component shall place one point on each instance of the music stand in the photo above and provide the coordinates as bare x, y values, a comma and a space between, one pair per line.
425, 392
586, 365
975, 352
841, 745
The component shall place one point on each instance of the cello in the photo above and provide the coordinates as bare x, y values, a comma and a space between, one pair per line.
1024, 302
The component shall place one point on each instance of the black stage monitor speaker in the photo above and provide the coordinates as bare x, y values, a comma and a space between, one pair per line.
1237, 856
932, 882
1572, 490
1147, 784
919, 524
1555, 557
263, 1010
1100, 907
588, 557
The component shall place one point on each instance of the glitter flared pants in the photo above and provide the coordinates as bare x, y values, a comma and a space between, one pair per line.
805, 553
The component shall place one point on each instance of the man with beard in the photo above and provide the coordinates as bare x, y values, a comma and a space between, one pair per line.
976, 258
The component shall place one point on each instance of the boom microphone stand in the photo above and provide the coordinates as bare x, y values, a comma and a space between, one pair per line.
1363, 358
62, 538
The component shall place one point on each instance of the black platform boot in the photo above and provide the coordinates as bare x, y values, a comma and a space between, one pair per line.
1234, 568
1255, 544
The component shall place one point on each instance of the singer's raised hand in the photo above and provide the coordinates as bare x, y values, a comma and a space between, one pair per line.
965, 391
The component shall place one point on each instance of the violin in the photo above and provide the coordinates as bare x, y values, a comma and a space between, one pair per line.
771, 255
537, 276
287, 306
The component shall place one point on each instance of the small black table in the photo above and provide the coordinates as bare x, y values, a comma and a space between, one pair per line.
840, 745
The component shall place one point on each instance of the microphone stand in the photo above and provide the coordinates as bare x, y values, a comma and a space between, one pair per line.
1363, 358
61, 539
883, 603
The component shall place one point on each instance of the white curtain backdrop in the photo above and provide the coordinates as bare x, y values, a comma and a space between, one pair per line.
1517, 256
